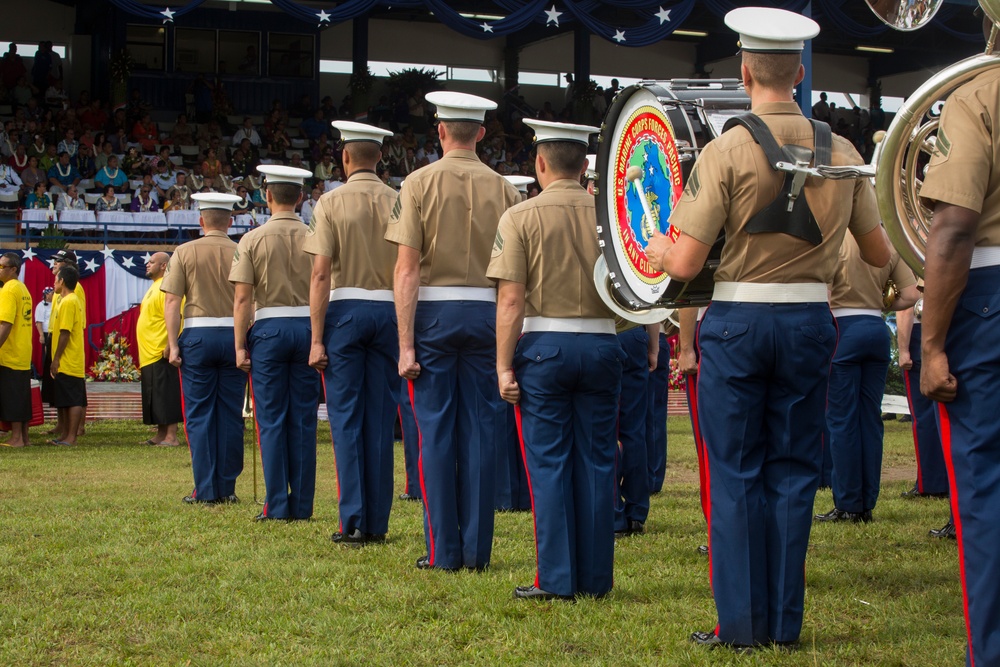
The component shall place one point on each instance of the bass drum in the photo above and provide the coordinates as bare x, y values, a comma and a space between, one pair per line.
649, 141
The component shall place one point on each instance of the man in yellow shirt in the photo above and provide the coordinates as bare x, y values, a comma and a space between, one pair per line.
59, 260
15, 351
161, 382
69, 388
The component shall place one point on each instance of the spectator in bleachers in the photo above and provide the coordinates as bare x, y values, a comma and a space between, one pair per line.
84, 161
41, 63
38, 198
324, 169
69, 144
119, 121
145, 133
8, 139
207, 132
10, 182
94, 116
32, 175
63, 174
320, 148
309, 205
176, 202
241, 164
164, 178
259, 201
119, 141
296, 161
101, 156
181, 187
311, 128
409, 140
11, 68
247, 132
71, 200
278, 143
212, 166
112, 175
143, 201
50, 158
19, 160
37, 147
251, 152
397, 153
409, 163
33, 111
244, 204
56, 96
136, 108
108, 201
134, 164
183, 133
22, 92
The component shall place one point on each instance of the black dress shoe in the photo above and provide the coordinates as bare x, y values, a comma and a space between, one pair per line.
190, 500
633, 527
914, 493
261, 517
407, 496
711, 640
532, 593
374, 538
228, 500
424, 563
703, 550
947, 531
836, 515
354, 538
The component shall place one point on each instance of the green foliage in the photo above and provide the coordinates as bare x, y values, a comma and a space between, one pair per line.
103, 565
412, 79
361, 82
52, 238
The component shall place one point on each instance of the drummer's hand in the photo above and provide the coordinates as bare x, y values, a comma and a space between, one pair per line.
687, 361
659, 244
509, 389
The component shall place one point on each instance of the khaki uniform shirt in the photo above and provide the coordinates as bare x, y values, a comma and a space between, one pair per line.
549, 244
449, 211
732, 181
348, 226
961, 171
199, 271
859, 285
271, 259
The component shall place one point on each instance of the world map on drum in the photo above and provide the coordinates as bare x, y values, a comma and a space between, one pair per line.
649, 154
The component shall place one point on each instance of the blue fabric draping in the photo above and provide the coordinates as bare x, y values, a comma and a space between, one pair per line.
151, 12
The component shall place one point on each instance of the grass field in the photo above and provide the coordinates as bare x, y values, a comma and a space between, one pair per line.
103, 565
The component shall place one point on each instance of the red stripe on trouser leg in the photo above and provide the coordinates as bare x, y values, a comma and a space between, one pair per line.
913, 425
945, 424
420, 468
531, 491
406, 476
180, 383
699, 443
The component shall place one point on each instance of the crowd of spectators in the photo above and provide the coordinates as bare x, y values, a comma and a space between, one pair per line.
857, 125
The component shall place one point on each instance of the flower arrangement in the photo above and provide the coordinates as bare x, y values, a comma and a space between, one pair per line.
678, 382
115, 363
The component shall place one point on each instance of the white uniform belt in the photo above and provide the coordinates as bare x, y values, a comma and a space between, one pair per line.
202, 322
569, 325
771, 292
281, 311
454, 293
852, 312
983, 256
342, 293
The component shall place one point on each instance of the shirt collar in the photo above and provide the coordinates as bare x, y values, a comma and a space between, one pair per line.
462, 154
217, 232
364, 176
775, 108
563, 184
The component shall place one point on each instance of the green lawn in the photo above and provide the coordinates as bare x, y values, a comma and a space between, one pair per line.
103, 565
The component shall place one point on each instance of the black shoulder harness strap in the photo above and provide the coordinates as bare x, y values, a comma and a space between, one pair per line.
788, 213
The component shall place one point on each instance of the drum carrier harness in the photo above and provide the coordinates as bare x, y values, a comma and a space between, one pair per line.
788, 213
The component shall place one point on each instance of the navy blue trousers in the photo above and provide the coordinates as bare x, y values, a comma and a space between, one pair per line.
512, 481
569, 404
765, 368
970, 436
360, 378
460, 419
932, 475
411, 441
285, 393
854, 411
656, 421
691, 390
213, 389
632, 468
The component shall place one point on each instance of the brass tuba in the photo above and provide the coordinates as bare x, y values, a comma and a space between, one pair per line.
899, 158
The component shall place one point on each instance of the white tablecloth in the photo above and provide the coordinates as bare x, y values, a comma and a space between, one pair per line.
183, 219
73, 219
116, 221
150, 221
36, 218
244, 222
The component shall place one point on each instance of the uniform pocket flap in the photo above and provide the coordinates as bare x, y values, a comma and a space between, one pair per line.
724, 330
984, 305
540, 352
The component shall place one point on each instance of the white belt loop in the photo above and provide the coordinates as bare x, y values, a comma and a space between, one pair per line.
281, 311
457, 293
344, 293
983, 256
853, 312
204, 322
771, 292
569, 325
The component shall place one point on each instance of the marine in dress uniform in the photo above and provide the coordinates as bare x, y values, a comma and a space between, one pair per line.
161, 382
411, 443
354, 333
641, 346
960, 344
444, 223
932, 475
767, 339
212, 386
564, 372
857, 378
687, 360
270, 277
15, 351
656, 420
